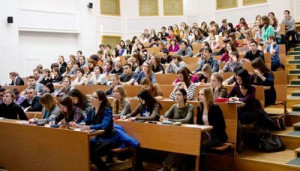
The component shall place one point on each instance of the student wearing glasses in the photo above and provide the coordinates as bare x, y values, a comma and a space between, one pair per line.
148, 108
31, 103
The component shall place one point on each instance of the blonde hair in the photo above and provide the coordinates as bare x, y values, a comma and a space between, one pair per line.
218, 76
206, 68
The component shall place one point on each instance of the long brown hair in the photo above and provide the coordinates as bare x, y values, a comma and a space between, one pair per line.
186, 75
208, 94
67, 101
258, 63
48, 101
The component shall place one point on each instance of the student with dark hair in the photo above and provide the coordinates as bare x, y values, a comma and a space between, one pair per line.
254, 52
1, 93
69, 112
61, 64
208, 59
243, 91
267, 30
9, 109
18, 97
100, 118
273, 49
56, 76
128, 77
96, 77
32, 83
32, 101
166, 58
182, 112
232, 63
80, 79
47, 77
80, 100
290, 27
185, 50
263, 76
185, 83
148, 108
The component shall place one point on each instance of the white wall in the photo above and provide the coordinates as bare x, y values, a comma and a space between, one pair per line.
44, 29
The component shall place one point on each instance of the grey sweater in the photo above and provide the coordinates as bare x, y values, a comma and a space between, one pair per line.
184, 115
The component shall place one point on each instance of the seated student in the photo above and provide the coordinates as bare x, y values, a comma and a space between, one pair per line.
157, 67
66, 86
218, 90
32, 83
254, 52
185, 83
96, 77
70, 70
100, 118
290, 28
146, 72
115, 80
47, 77
18, 97
273, 49
232, 63
166, 58
263, 76
9, 109
174, 47
50, 109
154, 89
49, 88
243, 91
192, 77
128, 77
121, 105
209, 113
80, 100
118, 68
207, 59
69, 112
229, 48
15, 79
80, 78
56, 76
205, 75
185, 50
31, 103
1, 93
148, 108
182, 112
175, 65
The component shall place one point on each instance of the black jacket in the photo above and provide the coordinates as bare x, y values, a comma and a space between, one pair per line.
12, 111
215, 119
35, 105
18, 81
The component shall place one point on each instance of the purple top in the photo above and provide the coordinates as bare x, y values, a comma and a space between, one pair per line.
248, 99
175, 49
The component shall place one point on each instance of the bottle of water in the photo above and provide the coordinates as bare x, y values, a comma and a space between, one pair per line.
82, 126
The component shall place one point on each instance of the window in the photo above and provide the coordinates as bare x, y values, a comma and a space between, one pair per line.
223, 4
111, 40
148, 7
252, 2
173, 7
110, 7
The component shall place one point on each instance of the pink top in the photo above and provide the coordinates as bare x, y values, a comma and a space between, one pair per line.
175, 49
194, 79
225, 57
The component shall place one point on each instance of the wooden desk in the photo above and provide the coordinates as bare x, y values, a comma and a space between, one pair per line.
29, 147
185, 139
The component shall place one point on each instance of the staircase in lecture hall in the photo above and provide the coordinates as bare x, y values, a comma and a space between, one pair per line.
288, 160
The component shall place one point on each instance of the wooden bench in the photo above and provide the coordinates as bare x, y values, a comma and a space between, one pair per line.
191, 63
19, 88
163, 79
